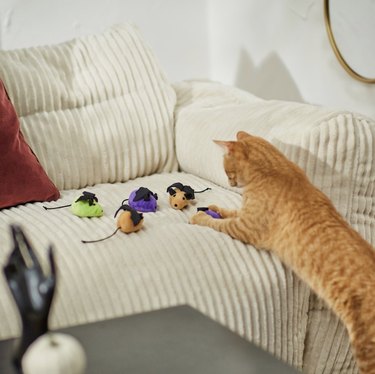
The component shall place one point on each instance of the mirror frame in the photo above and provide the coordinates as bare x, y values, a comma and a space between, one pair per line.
336, 50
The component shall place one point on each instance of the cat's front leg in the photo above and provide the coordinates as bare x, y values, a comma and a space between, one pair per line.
224, 213
235, 227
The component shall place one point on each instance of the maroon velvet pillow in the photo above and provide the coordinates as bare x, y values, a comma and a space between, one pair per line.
22, 178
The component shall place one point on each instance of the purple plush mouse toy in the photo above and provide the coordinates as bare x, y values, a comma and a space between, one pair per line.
211, 213
143, 200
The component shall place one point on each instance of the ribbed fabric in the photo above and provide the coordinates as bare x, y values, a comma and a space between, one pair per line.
169, 262
328, 349
95, 109
336, 149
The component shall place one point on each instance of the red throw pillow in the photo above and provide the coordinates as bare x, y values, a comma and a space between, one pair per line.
22, 178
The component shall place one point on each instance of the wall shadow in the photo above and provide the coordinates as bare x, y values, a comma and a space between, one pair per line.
270, 80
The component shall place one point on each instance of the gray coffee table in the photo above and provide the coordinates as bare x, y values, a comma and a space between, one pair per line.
178, 340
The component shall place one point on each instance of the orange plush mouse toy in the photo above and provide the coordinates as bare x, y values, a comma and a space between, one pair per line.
128, 221
181, 195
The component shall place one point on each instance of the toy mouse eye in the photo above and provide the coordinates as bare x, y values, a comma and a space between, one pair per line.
184, 198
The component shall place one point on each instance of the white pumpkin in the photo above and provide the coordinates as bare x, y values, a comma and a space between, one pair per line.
54, 353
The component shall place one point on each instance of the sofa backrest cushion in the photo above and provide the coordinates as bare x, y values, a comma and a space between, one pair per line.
335, 148
22, 178
94, 109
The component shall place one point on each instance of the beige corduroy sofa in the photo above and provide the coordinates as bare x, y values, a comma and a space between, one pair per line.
101, 116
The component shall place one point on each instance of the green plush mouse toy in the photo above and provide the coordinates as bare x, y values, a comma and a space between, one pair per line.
85, 206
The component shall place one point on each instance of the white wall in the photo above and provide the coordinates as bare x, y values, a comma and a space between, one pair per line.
277, 49
176, 29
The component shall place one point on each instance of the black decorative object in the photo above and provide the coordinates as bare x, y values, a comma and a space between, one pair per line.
32, 290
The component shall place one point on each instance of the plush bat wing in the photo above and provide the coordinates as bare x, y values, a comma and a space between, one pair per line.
143, 193
88, 196
134, 215
189, 192
171, 188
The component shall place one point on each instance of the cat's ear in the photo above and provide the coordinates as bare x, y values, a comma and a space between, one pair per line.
228, 146
242, 135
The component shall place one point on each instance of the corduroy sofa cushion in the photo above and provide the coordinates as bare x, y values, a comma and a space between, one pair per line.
95, 109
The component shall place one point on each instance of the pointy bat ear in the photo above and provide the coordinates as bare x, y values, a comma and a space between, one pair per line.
242, 135
228, 146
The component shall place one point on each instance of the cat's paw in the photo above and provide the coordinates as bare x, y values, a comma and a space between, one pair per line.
199, 218
215, 208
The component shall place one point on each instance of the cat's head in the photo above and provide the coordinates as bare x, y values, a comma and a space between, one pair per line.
247, 158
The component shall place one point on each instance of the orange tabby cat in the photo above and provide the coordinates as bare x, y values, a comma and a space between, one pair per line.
283, 212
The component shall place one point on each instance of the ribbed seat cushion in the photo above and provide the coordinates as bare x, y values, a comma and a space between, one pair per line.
95, 109
168, 262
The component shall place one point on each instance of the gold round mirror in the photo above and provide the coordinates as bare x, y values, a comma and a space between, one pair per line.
349, 35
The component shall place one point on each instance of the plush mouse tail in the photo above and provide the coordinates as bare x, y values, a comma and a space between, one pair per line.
121, 207
206, 189
56, 207
100, 240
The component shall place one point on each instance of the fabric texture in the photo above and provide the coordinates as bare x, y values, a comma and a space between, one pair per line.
22, 178
168, 262
95, 109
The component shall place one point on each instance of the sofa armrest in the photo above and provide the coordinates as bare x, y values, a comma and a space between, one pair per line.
335, 148
206, 111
